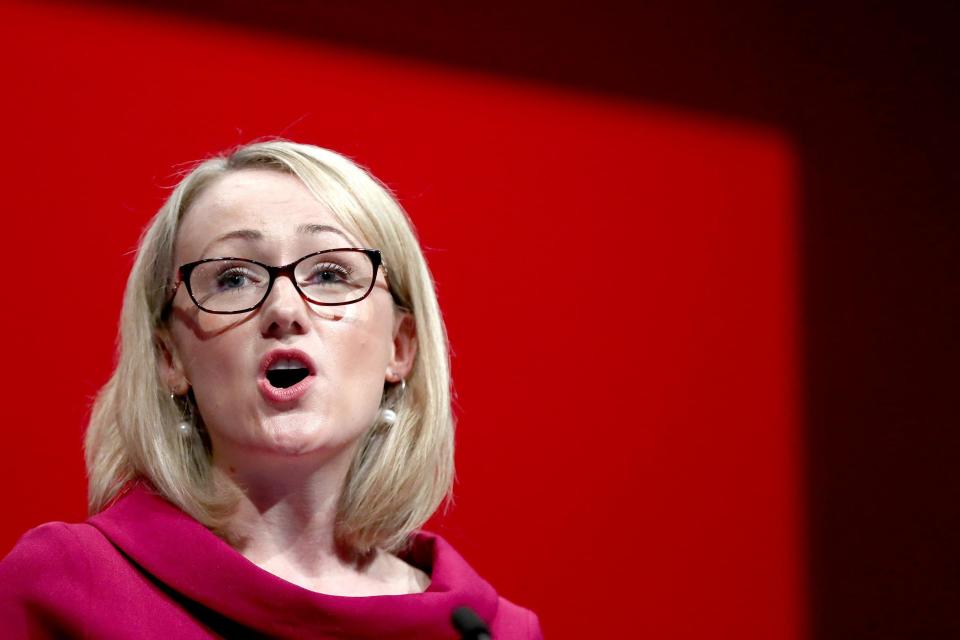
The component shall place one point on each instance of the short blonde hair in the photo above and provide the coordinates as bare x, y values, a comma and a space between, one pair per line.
400, 474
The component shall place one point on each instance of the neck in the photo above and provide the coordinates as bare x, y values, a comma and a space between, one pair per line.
287, 511
285, 524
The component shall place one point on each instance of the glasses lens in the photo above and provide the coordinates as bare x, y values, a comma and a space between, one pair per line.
228, 285
335, 277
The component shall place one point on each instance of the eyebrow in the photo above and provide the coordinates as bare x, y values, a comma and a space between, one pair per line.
253, 234
321, 228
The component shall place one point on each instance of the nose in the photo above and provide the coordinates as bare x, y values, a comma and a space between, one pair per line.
284, 312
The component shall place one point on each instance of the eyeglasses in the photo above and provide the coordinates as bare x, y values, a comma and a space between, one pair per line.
235, 285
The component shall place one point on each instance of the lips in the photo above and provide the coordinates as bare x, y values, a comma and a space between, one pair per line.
285, 375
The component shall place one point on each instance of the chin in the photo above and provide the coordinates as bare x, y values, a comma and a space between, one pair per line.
302, 435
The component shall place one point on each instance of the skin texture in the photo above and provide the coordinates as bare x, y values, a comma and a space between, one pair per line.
290, 460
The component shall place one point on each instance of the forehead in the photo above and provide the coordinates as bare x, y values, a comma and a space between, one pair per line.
276, 206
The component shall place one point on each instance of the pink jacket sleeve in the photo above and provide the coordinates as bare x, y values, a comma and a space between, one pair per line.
44, 584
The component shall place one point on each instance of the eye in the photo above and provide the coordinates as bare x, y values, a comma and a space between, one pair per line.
235, 277
327, 273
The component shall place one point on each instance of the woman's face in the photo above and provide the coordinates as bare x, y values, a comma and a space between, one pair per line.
228, 360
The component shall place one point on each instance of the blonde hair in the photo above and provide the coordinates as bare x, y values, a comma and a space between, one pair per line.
400, 474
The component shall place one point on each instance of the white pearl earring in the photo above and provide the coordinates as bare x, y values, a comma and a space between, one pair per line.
388, 415
185, 426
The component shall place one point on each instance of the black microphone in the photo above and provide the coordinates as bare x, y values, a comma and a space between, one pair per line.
466, 621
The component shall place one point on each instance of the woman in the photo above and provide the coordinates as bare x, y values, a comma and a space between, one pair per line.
277, 428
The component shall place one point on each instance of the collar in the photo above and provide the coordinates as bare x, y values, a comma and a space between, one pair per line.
194, 564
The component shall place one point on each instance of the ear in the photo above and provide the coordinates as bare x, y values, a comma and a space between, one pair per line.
170, 366
404, 348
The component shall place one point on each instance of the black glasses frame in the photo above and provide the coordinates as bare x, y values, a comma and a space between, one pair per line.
183, 277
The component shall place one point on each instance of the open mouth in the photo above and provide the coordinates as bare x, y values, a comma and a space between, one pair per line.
286, 373
286, 376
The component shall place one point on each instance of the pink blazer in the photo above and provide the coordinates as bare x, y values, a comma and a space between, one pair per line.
144, 569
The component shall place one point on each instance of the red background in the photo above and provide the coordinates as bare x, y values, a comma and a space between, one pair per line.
627, 428
629, 422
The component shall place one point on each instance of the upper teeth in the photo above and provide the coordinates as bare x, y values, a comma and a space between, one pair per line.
286, 363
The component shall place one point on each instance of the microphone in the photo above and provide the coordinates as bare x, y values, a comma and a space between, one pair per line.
466, 621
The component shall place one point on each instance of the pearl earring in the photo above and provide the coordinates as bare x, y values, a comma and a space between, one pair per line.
388, 415
185, 426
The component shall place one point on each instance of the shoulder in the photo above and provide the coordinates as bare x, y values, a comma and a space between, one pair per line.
47, 570
55, 547
451, 574
54, 562
513, 621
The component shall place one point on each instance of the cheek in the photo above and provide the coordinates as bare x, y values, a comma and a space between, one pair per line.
210, 346
357, 357
217, 369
